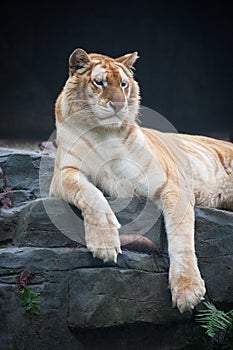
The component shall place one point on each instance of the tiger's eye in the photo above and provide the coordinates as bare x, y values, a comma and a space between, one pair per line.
98, 83
124, 84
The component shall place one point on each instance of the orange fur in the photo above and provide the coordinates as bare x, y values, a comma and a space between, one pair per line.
100, 145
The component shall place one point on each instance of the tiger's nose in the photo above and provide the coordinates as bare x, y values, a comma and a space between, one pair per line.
117, 106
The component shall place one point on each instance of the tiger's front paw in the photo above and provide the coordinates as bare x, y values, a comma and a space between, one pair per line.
188, 290
102, 238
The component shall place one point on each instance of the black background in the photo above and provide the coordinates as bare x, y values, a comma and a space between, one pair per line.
185, 68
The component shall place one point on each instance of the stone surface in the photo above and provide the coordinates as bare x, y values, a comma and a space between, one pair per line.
79, 292
214, 242
8, 220
25, 171
51, 222
213, 234
85, 303
34, 227
27, 175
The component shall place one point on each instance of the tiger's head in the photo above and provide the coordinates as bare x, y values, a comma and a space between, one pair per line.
101, 90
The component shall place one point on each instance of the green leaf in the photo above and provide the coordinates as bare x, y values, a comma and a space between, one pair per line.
214, 320
30, 300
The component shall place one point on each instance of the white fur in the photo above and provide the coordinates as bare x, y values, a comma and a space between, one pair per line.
99, 72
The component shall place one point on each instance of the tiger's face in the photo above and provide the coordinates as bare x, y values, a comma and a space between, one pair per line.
102, 90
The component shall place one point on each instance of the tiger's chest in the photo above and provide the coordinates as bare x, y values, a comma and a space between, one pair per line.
118, 168
123, 172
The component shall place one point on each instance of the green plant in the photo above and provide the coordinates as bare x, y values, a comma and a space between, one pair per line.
218, 326
30, 301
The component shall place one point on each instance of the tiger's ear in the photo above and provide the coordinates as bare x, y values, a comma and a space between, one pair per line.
78, 59
128, 60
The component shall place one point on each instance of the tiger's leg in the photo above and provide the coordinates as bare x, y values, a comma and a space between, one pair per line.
101, 224
187, 286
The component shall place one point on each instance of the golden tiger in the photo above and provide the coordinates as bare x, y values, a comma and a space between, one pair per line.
102, 149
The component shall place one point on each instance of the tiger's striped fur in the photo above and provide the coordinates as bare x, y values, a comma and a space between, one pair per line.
101, 146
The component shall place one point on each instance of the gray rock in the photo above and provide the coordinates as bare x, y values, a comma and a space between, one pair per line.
79, 292
21, 197
35, 228
83, 293
2, 182
54, 223
122, 296
8, 221
21, 170
85, 303
27, 175
214, 241
213, 238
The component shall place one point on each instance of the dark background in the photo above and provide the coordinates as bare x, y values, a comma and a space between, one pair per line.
185, 68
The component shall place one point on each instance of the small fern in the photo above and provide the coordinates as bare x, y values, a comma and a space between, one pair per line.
214, 320
218, 326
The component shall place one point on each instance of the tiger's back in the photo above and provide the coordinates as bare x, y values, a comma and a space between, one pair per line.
205, 161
